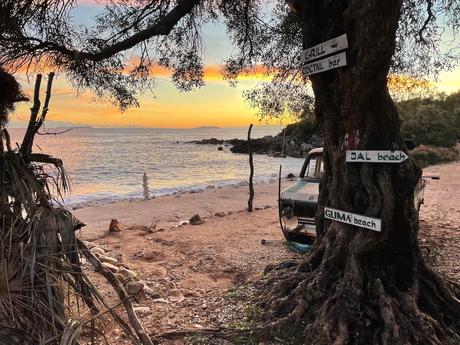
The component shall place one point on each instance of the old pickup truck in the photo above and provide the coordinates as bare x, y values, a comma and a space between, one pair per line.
299, 202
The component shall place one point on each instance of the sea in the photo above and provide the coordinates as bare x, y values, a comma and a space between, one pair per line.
107, 165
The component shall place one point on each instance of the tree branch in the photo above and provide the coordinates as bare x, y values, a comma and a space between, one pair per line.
26, 146
162, 28
429, 9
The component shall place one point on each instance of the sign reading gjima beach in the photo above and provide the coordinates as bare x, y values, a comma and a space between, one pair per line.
375, 156
334, 61
353, 219
333, 45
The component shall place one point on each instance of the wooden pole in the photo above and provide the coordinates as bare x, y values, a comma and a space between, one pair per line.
251, 171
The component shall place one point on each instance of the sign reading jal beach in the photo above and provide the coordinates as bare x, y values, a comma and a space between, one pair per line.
333, 45
331, 62
373, 156
353, 219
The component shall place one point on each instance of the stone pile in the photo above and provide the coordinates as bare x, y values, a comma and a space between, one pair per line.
113, 261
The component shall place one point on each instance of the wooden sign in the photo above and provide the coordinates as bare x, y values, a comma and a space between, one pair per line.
333, 45
331, 62
353, 219
373, 156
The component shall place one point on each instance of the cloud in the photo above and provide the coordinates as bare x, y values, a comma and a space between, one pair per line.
212, 72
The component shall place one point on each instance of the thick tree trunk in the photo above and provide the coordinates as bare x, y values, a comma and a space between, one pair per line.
358, 286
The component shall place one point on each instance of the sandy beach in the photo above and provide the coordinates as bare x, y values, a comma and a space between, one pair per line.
169, 211
192, 272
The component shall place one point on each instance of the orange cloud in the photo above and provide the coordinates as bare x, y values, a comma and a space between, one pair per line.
212, 72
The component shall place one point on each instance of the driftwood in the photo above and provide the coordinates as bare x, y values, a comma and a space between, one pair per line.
122, 294
251, 171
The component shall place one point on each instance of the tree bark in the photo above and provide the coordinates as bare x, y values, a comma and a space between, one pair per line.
359, 286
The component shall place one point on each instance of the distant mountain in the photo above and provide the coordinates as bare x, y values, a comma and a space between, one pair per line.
48, 124
207, 127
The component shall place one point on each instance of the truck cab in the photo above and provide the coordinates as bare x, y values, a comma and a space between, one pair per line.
298, 203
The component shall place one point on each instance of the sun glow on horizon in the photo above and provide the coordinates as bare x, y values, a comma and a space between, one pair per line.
216, 104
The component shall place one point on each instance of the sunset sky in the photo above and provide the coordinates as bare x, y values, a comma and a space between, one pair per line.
216, 104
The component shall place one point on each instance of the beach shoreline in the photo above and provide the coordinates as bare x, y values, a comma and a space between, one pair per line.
170, 210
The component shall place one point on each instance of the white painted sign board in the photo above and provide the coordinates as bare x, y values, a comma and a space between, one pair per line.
375, 156
333, 45
331, 62
353, 219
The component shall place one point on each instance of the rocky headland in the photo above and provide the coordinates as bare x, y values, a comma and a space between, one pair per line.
295, 141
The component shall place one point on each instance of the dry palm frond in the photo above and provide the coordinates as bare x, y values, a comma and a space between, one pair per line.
39, 253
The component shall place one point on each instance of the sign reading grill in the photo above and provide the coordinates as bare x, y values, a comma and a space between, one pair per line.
331, 62
353, 219
333, 45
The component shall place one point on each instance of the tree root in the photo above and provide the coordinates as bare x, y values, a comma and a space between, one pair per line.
360, 306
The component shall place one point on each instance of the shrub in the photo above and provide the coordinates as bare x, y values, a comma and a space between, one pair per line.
431, 121
430, 155
303, 129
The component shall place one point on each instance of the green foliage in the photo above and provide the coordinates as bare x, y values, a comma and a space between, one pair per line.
430, 155
302, 129
431, 121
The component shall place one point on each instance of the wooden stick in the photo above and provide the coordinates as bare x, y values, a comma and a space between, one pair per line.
122, 294
251, 171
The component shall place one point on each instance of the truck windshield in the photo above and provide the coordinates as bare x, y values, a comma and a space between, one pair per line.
315, 167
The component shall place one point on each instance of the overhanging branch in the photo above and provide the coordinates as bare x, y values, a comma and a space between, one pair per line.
161, 28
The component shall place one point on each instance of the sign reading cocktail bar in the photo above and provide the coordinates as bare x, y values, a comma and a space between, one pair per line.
331, 62
353, 219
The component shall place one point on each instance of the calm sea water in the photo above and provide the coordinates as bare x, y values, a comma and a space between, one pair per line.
107, 164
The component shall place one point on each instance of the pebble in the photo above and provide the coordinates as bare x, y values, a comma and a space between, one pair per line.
116, 255
170, 285
128, 274
98, 251
108, 260
142, 311
190, 293
134, 287
154, 292
120, 277
89, 245
196, 220
175, 295
158, 272
160, 300
111, 267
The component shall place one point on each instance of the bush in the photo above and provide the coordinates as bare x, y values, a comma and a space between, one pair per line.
431, 121
303, 130
430, 155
